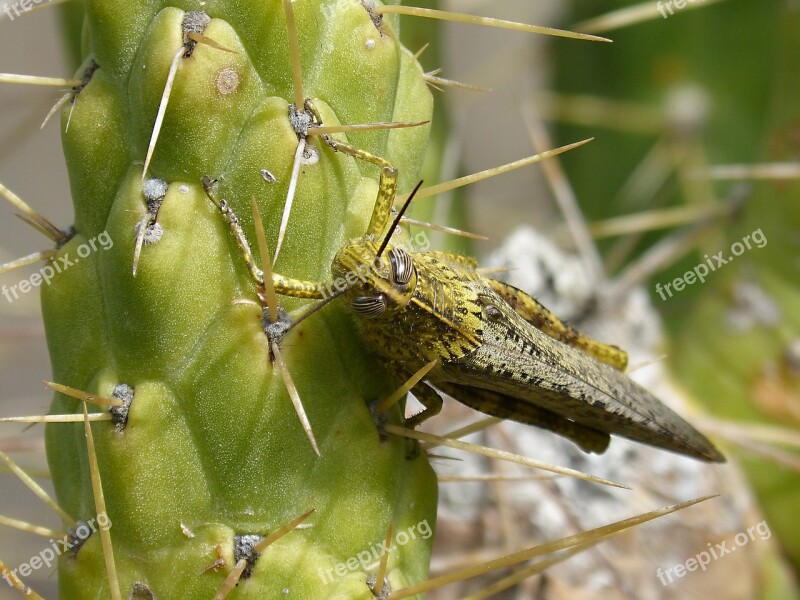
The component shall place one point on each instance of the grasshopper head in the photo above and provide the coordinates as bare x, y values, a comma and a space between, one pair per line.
380, 286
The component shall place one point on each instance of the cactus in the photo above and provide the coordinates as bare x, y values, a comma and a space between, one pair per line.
209, 451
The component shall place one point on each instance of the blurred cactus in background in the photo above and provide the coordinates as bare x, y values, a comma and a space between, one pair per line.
702, 120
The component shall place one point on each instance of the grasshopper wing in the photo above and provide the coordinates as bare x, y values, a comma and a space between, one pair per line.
518, 360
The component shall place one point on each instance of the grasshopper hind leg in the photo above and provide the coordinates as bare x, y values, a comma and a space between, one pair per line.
430, 399
498, 405
537, 315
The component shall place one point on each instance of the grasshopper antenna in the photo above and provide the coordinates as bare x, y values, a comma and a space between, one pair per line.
396, 221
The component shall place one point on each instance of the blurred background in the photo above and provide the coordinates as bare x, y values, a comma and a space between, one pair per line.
697, 136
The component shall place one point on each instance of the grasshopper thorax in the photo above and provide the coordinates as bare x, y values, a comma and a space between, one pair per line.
377, 286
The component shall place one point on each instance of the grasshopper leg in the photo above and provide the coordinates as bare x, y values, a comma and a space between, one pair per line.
286, 286
537, 315
430, 399
387, 186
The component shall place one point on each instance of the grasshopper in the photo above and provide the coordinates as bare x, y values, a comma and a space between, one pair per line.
496, 348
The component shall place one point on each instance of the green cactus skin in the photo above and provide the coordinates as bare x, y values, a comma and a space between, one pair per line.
212, 444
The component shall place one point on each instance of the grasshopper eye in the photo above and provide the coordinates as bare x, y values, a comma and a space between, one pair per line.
402, 266
369, 306
492, 312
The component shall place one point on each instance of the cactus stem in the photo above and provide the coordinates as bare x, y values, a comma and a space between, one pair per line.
521, 575
33, 217
17, 584
37, 80
199, 38
162, 108
765, 171
100, 507
585, 538
444, 229
470, 179
30, 527
491, 477
282, 531
421, 51
57, 107
294, 47
479, 425
435, 81
395, 396
566, 200
430, 13
36, 489
657, 219
630, 15
84, 396
231, 580
295, 397
26, 260
287, 207
331, 129
380, 575
71, 418
266, 266
498, 454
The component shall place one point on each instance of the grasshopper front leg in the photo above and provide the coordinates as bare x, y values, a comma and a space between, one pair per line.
387, 186
285, 286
